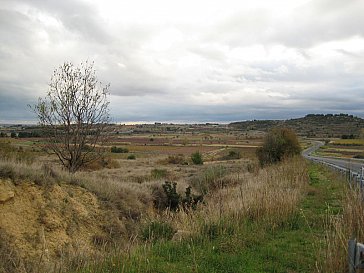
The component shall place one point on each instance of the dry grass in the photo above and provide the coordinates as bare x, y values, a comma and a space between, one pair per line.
236, 191
272, 196
342, 227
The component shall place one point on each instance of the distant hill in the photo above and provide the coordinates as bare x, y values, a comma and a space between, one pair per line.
312, 125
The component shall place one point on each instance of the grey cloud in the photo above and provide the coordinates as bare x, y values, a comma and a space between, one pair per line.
320, 21
76, 16
152, 84
315, 22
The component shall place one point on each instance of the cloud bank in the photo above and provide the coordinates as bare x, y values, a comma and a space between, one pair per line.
187, 61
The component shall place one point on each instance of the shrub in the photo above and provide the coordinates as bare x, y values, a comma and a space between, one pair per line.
155, 231
119, 150
232, 155
176, 159
197, 158
131, 157
175, 200
279, 143
191, 201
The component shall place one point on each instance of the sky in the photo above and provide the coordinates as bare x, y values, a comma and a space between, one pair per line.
190, 60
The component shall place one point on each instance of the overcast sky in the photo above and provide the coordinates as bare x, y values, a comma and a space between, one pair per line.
190, 60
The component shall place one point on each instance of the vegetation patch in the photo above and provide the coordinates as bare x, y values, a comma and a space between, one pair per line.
119, 150
197, 158
155, 231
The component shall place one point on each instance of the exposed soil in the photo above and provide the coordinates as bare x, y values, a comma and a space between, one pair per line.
49, 223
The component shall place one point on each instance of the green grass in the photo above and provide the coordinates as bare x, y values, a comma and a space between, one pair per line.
292, 245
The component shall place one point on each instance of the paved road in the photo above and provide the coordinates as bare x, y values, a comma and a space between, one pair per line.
345, 164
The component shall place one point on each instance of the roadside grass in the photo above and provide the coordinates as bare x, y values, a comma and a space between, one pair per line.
292, 243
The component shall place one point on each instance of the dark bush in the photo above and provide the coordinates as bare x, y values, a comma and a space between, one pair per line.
119, 150
131, 157
174, 200
279, 143
232, 155
197, 158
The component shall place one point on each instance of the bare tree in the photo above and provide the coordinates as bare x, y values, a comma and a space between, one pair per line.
74, 114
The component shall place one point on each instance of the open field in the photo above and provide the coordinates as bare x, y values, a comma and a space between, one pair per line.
343, 148
115, 215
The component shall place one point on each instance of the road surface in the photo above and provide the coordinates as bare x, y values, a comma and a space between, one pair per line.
353, 165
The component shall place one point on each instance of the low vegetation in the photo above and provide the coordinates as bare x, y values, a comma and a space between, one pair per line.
161, 213
279, 144
197, 158
118, 150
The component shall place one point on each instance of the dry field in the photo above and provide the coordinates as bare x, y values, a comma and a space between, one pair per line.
343, 148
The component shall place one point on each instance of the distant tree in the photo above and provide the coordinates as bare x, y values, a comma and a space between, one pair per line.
278, 144
74, 114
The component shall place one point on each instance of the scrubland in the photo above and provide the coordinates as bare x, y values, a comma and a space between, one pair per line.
115, 215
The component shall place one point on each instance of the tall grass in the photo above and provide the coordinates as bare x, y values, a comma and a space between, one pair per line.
340, 228
234, 216
273, 195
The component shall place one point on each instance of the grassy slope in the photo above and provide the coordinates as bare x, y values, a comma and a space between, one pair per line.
291, 246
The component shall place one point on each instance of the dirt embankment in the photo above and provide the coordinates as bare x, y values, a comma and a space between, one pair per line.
40, 225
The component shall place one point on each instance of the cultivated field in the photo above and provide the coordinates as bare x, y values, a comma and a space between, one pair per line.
343, 148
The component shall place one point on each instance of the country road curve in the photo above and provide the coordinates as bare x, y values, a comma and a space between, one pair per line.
353, 165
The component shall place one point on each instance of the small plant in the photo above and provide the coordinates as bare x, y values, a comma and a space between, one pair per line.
155, 231
176, 159
173, 198
191, 201
232, 155
131, 157
197, 158
119, 150
158, 173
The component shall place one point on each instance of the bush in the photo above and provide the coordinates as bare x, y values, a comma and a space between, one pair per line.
232, 155
279, 143
175, 200
176, 159
155, 231
119, 150
197, 158
131, 157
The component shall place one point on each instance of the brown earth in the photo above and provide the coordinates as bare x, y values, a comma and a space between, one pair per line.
49, 223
